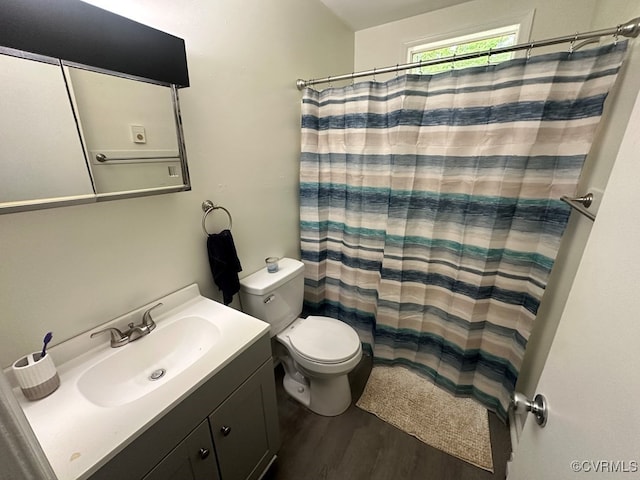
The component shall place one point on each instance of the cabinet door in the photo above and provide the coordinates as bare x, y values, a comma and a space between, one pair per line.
242, 428
193, 458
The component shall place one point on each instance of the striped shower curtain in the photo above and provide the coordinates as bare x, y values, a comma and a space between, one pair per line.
430, 211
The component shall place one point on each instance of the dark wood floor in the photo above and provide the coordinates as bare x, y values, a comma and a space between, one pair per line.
359, 446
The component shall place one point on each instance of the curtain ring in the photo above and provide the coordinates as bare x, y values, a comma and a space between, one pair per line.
489, 57
329, 81
397, 65
529, 50
573, 42
453, 62
616, 35
352, 78
374, 74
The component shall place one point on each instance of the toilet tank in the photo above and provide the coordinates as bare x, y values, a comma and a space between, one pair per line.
275, 298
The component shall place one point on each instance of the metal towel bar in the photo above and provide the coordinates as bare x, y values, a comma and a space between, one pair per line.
101, 157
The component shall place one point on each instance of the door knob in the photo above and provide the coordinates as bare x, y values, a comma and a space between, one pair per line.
225, 430
539, 407
204, 453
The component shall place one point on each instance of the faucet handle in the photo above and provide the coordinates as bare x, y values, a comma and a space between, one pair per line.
117, 337
147, 321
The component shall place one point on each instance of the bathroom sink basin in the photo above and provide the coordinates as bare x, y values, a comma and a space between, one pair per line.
139, 368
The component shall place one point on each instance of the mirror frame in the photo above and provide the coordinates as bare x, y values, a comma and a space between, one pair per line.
53, 202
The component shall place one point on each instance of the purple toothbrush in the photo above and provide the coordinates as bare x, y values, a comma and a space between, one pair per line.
47, 339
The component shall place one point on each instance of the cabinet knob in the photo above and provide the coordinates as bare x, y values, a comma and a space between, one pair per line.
225, 430
204, 453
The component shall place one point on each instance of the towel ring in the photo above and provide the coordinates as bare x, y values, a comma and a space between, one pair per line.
207, 208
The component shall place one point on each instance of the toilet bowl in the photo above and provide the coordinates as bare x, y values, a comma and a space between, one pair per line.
324, 351
317, 353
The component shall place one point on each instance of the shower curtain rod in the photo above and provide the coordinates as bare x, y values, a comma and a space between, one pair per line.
630, 29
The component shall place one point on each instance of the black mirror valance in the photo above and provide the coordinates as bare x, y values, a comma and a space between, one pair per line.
82, 33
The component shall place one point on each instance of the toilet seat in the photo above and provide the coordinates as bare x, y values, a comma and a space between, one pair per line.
322, 340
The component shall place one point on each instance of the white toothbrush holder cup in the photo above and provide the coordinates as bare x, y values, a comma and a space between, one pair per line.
36, 375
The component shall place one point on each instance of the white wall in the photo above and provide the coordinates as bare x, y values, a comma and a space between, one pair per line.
385, 45
70, 269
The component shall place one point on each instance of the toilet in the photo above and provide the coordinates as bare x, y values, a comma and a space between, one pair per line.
317, 353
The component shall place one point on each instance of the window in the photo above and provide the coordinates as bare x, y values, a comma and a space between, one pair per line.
489, 39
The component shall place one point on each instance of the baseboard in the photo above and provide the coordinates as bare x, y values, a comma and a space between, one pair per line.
264, 472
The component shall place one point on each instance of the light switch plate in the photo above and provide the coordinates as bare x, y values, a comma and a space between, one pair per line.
138, 135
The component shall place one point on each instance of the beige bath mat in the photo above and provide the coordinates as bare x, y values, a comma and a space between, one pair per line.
457, 426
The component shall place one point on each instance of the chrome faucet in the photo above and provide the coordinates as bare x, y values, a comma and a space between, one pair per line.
118, 338
145, 328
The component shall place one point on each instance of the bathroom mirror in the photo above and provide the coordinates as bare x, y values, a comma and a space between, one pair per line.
71, 134
41, 156
128, 128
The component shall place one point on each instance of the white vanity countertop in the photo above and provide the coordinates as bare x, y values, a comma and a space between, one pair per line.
79, 436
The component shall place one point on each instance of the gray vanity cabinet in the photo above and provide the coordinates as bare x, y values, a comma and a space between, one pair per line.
240, 428
227, 429
192, 459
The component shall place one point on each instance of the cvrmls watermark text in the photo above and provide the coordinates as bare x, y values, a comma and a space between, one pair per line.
605, 466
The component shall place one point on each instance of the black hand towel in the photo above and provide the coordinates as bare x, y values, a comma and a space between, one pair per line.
224, 264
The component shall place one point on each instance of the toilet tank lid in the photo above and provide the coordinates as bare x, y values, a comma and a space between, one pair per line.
262, 282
